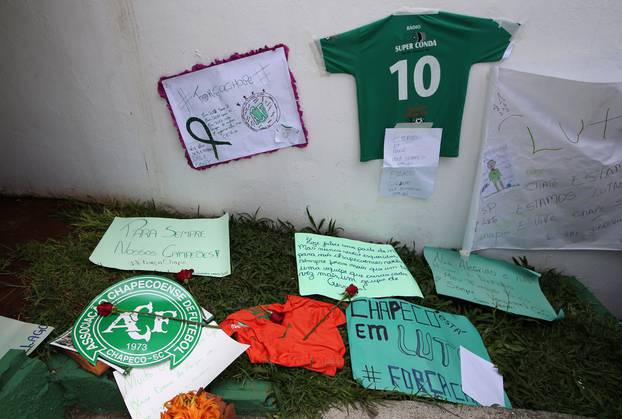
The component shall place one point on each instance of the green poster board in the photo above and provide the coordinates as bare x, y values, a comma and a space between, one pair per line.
327, 265
144, 336
494, 283
166, 245
399, 346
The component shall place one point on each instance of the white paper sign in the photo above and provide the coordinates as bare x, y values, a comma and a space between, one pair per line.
236, 109
145, 390
410, 161
20, 335
481, 379
551, 165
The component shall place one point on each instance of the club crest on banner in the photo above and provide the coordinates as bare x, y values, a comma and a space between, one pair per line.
155, 319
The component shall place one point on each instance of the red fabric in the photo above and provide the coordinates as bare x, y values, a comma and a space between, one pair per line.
283, 343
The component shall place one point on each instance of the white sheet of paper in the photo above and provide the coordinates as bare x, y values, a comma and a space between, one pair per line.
248, 102
410, 161
20, 335
145, 390
412, 147
550, 168
407, 181
480, 379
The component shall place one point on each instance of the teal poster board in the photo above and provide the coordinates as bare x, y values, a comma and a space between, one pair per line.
490, 282
399, 346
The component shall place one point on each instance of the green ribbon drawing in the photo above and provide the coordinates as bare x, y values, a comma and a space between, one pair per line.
211, 140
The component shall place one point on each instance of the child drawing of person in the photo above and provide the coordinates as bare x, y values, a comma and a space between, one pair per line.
494, 175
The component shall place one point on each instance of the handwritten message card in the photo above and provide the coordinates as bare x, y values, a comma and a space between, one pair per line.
145, 390
166, 245
550, 173
21, 335
327, 265
489, 282
238, 108
410, 161
399, 346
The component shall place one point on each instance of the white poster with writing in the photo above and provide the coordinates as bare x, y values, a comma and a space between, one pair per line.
410, 161
551, 165
145, 390
236, 108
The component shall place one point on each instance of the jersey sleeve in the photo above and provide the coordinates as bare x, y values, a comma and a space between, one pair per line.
341, 52
488, 39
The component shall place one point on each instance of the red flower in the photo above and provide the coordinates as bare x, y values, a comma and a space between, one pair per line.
104, 309
351, 290
184, 275
347, 294
277, 317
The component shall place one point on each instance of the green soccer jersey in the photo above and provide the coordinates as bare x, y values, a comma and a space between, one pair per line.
413, 68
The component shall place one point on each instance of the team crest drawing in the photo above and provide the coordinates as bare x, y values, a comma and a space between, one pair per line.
260, 111
143, 333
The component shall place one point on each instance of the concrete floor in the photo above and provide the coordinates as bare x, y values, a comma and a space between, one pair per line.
434, 410
402, 410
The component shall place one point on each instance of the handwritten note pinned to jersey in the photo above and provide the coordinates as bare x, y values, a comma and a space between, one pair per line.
489, 282
410, 161
327, 265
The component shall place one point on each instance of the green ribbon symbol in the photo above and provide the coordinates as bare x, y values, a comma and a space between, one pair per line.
211, 140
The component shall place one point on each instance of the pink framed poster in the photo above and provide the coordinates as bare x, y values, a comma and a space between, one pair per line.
235, 108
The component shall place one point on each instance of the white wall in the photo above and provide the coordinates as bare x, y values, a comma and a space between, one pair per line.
80, 115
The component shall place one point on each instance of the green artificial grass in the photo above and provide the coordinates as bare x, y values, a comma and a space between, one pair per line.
570, 366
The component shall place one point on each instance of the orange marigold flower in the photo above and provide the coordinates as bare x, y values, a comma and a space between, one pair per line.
194, 405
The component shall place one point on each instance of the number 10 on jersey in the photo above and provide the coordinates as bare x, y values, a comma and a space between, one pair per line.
401, 67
